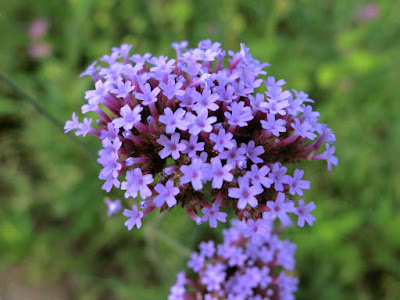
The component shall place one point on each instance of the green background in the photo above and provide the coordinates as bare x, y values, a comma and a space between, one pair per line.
56, 241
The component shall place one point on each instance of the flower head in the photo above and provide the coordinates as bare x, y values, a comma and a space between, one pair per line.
245, 266
195, 132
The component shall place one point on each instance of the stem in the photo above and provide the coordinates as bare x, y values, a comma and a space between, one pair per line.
40, 109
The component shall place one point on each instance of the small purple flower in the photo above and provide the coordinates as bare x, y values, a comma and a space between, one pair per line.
135, 182
272, 83
259, 176
174, 120
303, 212
253, 152
220, 173
275, 126
207, 249
192, 146
171, 88
129, 117
135, 217
171, 147
239, 115
280, 208
278, 177
111, 133
222, 140
147, 96
114, 207
123, 89
193, 173
296, 184
330, 158
206, 101
212, 214
245, 193
38, 28
71, 125
166, 194
196, 262
201, 122
84, 128
214, 275
305, 130
233, 155
257, 230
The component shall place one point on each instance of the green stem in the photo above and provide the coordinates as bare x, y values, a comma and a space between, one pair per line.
39, 108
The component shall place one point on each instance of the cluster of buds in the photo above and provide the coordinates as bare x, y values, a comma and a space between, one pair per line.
190, 132
240, 268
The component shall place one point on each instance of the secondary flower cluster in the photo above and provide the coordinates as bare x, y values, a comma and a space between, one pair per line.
239, 268
191, 132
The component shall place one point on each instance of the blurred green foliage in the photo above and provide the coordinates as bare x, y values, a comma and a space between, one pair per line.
52, 216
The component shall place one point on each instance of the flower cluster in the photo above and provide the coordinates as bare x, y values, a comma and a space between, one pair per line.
191, 132
240, 268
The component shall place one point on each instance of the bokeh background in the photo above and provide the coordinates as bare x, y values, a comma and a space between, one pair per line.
56, 241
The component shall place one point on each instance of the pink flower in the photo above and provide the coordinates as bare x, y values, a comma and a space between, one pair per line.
38, 28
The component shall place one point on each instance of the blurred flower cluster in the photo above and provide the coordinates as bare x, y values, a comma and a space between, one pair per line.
36, 31
193, 132
239, 268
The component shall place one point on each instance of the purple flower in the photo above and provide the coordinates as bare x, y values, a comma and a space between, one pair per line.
206, 116
280, 208
172, 88
123, 89
38, 28
296, 184
129, 117
135, 182
123, 50
220, 173
166, 194
233, 155
161, 66
245, 193
241, 269
305, 130
196, 262
272, 83
275, 126
147, 96
278, 177
214, 275
193, 173
207, 249
201, 122
135, 217
206, 101
171, 147
253, 152
70, 125
257, 230
192, 146
174, 120
222, 140
212, 214
303, 213
114, 207
259, 176
111, 133
330, 158
84, 128
239, 115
